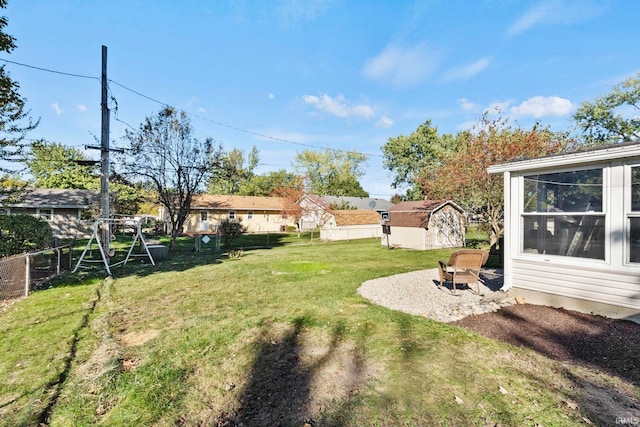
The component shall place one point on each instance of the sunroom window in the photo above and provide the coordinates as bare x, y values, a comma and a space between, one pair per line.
633, 217
562, 214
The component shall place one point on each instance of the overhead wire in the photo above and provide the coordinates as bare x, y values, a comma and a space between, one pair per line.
236, 128
49, 70
164, 104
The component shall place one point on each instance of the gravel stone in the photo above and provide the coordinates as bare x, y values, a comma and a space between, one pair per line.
419, 293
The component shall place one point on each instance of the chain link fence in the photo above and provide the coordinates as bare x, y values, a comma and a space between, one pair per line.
22, 274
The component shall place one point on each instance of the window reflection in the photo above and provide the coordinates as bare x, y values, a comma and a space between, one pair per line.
566, 235
568, 222
576, 191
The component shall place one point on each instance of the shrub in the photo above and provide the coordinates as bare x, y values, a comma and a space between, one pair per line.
291, 228
23, 233
230, 230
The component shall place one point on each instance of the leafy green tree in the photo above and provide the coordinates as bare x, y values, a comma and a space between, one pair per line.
407, 157
463, 177
23, 233
396, 198
234, 173
331, 172
13, 187
128, 195
269, 183
14, 119
165, 154
54, 165
613, 117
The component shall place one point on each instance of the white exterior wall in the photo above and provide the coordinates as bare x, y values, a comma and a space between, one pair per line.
591, 283
351, 232
611, 281
408, 238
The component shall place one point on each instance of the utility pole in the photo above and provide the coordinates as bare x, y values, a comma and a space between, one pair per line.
104, 155
104, 158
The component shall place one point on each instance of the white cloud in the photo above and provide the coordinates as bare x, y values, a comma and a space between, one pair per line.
81, 107
271, 96
384, 122
339, 107
468, 71
466, 105
402, 66
540, 106
202, 110
550, 12
56, 108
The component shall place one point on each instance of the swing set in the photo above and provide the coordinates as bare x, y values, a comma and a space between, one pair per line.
102, 230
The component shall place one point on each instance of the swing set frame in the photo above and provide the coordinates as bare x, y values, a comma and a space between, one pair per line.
103, 226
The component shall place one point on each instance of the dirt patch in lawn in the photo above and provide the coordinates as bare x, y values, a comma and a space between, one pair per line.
297, 377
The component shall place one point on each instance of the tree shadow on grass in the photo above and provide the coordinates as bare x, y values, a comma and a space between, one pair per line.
280, 387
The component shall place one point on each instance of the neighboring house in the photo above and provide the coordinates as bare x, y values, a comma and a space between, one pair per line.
314, 206
66, 210
427, 224
350, 224
572, 230
257, 214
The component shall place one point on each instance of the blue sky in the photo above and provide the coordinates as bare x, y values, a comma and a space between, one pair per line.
287, 75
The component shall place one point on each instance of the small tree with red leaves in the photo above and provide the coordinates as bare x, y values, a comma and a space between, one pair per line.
463, 175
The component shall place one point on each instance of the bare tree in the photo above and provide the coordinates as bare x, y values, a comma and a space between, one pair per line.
165, 153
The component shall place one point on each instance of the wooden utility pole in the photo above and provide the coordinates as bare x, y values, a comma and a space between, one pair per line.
104, 154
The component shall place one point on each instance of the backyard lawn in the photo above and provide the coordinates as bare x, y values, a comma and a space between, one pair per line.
276, 336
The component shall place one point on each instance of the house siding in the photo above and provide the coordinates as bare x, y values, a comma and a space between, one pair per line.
603, 285
408, 238
609, 283
366, 231
266, 213
64, 223
350, 224
261, 221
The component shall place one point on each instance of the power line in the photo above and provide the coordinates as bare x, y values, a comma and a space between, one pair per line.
215, 122
238, 129
49, 70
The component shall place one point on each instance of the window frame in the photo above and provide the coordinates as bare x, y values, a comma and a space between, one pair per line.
629, 213
231, 215
249, 215
604, 214
42, 213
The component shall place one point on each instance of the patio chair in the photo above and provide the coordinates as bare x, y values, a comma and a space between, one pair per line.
463, 267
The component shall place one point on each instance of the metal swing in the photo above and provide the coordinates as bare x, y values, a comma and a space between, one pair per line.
104, 224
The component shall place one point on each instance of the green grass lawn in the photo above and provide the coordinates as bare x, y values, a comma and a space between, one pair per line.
276, 337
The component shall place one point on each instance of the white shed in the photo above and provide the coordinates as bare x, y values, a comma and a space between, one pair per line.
350, 224
572, 230
426, 224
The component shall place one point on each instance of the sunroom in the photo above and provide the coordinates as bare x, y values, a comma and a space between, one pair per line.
572, 230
